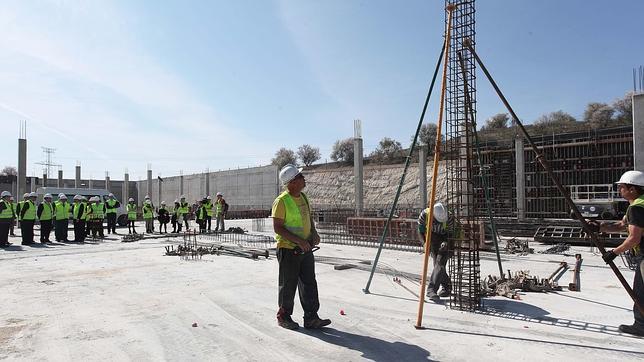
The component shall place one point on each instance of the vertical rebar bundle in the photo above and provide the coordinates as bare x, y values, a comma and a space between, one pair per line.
460, 161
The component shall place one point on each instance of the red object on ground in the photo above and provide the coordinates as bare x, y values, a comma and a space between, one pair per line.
194, 324
342, 312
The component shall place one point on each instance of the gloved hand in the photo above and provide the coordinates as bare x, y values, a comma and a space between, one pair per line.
593, 225
609, 256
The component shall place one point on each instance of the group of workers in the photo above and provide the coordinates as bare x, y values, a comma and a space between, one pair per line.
87, 215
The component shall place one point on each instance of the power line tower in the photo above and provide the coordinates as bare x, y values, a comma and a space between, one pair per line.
48, 160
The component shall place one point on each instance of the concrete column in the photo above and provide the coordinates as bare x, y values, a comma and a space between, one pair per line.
638, 131
358, 174
22, 168
126, 188
160, 183
107, 181
60, 178
77, 180
181, 184
90, 182
32, 186
422, 175
44, 179
149, 190
207, 174
520, 176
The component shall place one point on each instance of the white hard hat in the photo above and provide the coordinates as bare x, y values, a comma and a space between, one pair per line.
47, 196
288, 173
210, 198
62, 197
632, 178
162, 202
130, 200
147, 197
183, 196
33, 194
26, 195
111, 195
83, 198
147, 201
6, 194
220, 194
440, 212
176, 201
77, 197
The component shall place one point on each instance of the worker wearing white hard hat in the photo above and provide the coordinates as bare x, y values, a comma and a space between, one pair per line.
209, 207
6, 218
79, 210
631, 188
28, 218
442, 230
45, 213
111, 209
62, 208
163, 215
148, 215
221, 209
296, 237
183, 212
131, 215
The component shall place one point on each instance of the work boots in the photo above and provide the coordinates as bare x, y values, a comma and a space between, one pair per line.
632, 329
316, 323
285, 321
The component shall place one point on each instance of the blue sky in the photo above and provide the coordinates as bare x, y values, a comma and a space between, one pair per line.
224, 84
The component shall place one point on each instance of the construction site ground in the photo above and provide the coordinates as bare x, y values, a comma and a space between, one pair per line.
128, 301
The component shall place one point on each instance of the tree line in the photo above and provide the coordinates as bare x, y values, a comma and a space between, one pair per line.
596, 116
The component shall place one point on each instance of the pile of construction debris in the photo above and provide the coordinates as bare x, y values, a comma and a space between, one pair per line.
522, 281
193, 251
520, 247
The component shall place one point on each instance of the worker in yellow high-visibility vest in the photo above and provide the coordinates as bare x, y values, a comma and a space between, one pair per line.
45, 213
296, 236
6, 218
28, 219
61, 215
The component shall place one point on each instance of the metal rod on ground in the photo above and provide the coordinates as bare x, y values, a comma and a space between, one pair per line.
432, 195
402, 178
546, 166
486, 190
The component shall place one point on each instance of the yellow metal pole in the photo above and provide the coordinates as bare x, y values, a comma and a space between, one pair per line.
430, 215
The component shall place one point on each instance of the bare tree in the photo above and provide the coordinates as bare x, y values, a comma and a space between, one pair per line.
497, 121
308, 154
9, 171
427, 136
624, 109
343, 150
558, 121
598, 115
387, 150
283, 156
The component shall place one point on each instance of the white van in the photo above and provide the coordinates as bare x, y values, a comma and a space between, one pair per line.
121, 218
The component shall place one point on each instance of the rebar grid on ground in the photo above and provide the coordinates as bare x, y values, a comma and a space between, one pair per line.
464, 265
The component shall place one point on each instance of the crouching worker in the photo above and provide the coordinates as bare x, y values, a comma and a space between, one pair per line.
439, 249
296, 235
631, 188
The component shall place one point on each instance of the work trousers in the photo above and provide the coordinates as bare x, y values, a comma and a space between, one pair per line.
45, 230
297, 271
439, 275
638, 290
149, 226
27, 230
130, 226
79, 231
185, 219
163, 225
60, 231
220, 221
209, 221
5, 225
111, 222
202, 225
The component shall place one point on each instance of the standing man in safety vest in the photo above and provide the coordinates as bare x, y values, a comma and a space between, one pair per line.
13, 222
28, 219
111, 206
221, 208
45, 214
98, 214
61, 214
296, 236
6, 218
25, 197
78, 213
631, 187
184, 210
209, 209
131, 215
148, 216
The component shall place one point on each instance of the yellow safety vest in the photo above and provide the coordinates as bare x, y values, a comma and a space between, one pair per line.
639, 202
293, 221
61, 210
47, 212
30, 214
110, 204
7, 213
131, 211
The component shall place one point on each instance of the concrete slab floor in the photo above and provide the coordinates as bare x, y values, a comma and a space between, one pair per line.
127, 301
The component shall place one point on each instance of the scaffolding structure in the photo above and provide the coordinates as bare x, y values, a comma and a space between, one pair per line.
464, 266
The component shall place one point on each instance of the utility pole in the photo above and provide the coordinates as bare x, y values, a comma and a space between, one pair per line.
48, 160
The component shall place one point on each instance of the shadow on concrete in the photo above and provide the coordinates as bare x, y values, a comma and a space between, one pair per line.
593, 301
533, 340
511, 309
373, 349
